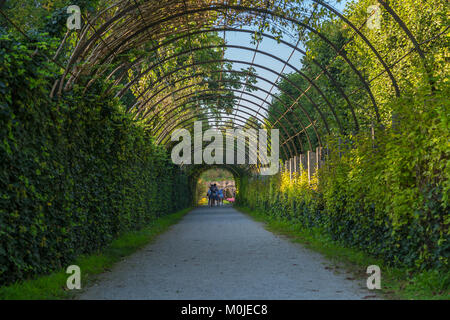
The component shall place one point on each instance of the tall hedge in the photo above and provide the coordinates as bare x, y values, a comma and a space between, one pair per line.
74, 171
388, 197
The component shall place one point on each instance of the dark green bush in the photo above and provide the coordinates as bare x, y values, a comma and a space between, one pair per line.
74, 172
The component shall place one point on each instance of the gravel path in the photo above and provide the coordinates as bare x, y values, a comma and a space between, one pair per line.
220, 253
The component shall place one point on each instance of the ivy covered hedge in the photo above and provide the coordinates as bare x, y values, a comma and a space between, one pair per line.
388, 197
74, 171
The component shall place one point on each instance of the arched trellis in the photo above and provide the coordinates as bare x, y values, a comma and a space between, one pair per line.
173, 121
163, 137
186, 11
266, 11
275, 97
218, 7
187, 122
274, 72
254, 65
238, 170
323, 69
167, 112
295, 101
246, 153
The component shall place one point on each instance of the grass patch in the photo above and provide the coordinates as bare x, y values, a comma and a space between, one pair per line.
396, 283
53, 286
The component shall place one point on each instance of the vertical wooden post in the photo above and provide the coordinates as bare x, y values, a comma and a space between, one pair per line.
290, 168
295, 164
311, 164
303, 162
300, 162
318, 157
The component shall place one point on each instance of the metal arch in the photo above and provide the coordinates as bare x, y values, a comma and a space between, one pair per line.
166, 130
266, 11
324, 69
171, 125
262, 67
419, 48
242, 166
384, 4
282, 76
247, 150
256, 76
208, 97
288, 136
258, 88
236, 169
232, 90
252, 64
180, 125
186, 124
217, 96
237, 151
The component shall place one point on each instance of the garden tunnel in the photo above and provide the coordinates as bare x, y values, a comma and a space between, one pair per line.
152, 49
149, 68
169, 62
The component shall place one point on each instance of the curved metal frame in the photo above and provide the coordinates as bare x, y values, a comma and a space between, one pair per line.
255, 86
333, 81
323, 69
164, 136
252, 64
83, 48
232, 90
268, 69
212, 96
247, 151
265, 11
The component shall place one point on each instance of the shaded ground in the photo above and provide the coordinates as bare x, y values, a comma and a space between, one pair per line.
219, 253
